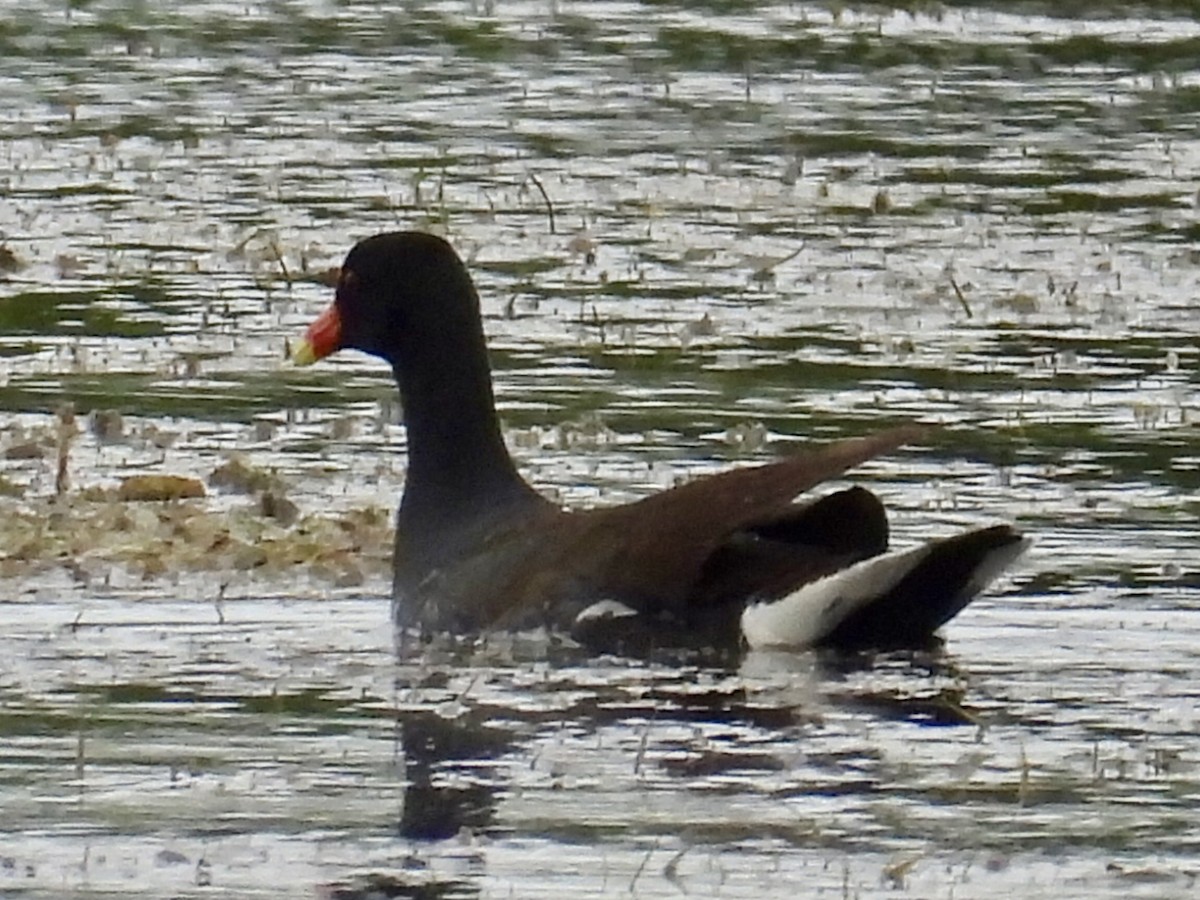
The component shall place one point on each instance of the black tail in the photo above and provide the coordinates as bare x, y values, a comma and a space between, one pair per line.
943, 581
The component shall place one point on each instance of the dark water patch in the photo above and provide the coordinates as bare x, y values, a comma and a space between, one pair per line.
1022, 178
156, 395
1131, 55
1183, 233
1062, 202
1148, 9
74, 312
415, 886
713, 50
861, 139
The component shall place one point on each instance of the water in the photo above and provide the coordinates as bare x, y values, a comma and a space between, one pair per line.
703, 234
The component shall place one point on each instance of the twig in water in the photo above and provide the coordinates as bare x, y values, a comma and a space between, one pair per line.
1023, 785
470, 684
66, 435
671, 869
641, 868
641, 753
287, 276
961, 299
81, 754
549, 206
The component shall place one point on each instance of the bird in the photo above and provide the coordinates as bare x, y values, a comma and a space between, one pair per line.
739, 559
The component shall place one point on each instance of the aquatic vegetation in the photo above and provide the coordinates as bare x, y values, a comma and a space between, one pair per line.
161, 525
149, 530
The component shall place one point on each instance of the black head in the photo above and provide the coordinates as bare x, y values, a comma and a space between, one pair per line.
403, 296
407, 297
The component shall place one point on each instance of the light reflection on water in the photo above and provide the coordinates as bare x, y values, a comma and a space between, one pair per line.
991, 215
153, 736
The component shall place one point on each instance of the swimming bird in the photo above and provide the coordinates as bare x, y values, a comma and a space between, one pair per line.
728, 560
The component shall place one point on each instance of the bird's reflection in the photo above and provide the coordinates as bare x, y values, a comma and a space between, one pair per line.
437, 808
457, 755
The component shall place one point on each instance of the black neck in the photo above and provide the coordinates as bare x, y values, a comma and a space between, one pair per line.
458, 467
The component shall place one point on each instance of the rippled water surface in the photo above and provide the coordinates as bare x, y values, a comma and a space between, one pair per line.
704, 233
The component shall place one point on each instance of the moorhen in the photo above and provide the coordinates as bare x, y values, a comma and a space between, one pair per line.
728, 559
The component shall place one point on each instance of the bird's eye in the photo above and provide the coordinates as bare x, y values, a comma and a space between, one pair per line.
348, 283
349, 290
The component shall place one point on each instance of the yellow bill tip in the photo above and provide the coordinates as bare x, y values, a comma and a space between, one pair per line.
303, 353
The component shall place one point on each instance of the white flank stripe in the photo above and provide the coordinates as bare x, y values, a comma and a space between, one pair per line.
805, 616
605, 609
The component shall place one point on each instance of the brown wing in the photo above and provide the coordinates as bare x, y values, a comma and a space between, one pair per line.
653, 552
